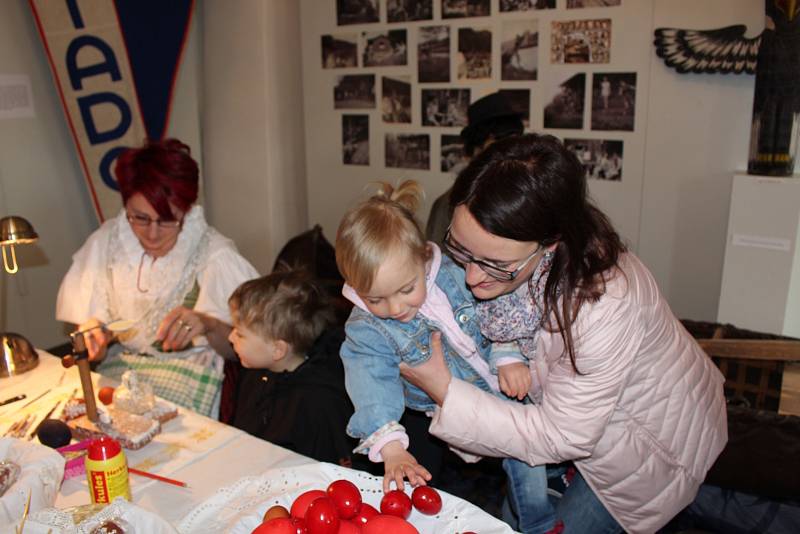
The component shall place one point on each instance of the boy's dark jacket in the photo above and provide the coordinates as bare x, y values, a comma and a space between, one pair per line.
305, 410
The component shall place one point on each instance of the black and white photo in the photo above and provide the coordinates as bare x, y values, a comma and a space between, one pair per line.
355, 139
405, 10
474, 54
453, 159
445, 107
565, 108
519, 50
454, 9
357, 12
613, 101
580, 41
339, 51
433, 54
520, 102
384, 49
408, 151
591, 3
601, 159
396, 99
526, 5
354, 91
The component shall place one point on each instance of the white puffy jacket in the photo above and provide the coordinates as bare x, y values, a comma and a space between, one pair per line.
643, 423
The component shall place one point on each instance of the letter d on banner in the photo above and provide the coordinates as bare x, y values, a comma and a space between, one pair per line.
87, 55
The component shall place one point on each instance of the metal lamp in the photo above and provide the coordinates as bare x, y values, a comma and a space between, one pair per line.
17, 355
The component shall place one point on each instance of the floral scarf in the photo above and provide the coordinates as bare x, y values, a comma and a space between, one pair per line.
517, 316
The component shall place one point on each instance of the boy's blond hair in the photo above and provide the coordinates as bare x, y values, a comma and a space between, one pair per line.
377, 227
284, 305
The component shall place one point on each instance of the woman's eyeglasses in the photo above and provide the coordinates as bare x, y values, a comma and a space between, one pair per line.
463, 257
144, 220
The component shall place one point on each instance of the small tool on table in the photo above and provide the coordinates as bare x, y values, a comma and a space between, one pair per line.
13, 399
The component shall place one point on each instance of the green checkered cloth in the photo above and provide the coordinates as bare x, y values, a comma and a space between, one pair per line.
177, 380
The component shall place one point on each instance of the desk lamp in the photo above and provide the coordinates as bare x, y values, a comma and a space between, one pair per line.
16, 353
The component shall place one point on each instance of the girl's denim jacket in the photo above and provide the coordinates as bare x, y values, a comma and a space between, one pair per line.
374, 348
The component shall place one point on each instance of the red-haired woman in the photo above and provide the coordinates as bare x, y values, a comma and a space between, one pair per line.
159, 265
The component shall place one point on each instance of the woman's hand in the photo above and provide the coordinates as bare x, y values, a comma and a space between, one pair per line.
398, 464
96, 338
433, 376
179, 327
515, 379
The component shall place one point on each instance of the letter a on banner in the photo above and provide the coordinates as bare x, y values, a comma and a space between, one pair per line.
109, 103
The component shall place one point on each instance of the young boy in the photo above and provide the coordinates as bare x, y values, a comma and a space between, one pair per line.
291, 392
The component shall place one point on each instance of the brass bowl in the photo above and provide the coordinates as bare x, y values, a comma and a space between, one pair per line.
17, 355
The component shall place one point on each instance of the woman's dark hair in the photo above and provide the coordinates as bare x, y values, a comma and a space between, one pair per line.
532, 188
163, 172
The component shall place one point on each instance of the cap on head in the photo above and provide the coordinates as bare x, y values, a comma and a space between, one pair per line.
485, 109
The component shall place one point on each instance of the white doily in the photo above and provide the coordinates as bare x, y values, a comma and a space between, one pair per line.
61, 522
240, 507
41, 471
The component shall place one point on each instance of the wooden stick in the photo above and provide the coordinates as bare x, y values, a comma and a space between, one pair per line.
157, 477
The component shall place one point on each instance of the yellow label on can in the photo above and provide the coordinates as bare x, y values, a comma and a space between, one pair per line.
108, 479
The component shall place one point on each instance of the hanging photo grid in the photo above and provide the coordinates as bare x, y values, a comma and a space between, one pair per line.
466, 48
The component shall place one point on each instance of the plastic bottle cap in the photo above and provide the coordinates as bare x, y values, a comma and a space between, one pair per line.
103, 448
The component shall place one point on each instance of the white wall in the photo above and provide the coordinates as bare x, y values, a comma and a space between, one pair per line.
691, 133
253, 124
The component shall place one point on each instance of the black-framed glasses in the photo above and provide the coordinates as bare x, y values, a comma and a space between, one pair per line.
145, 220
464, 257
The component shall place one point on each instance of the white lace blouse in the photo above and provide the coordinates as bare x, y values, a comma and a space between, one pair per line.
102, 280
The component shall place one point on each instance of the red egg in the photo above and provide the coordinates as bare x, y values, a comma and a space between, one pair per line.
346, 497
281, 525
322, 517
106, 395
299, 525
275, 512
396, 503
301, 503
348, 527
388, 524
365, 513
427, 500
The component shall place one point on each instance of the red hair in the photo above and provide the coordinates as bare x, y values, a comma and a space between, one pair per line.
163, 172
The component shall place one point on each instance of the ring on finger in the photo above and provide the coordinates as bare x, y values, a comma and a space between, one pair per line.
181, 322
187, 326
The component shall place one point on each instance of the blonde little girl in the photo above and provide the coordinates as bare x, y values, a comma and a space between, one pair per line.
405, 291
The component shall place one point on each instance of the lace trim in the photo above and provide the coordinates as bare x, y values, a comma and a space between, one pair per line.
366, 445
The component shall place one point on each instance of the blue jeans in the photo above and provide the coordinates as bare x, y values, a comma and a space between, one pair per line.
582, 512
528, 497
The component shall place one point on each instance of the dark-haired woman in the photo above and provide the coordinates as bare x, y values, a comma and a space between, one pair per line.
160, 266
621, 388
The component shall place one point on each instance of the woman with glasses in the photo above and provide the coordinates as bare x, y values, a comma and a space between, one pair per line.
624, 391
162, 270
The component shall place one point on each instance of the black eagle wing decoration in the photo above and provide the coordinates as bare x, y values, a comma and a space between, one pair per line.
724, 50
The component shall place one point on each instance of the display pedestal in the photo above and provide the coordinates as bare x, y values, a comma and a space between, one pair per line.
761, 275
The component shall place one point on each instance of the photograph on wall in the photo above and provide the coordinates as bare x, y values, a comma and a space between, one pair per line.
396, 99
520, 101
408, 151
354, 91
474, 54
433, 54
444, 107
384, 49
601, 159
581, 41
453, 159
405, 10
591, 3
456, 9
613, 100
339, 51
526, 5
357, 12
565, 108
519, 50
355, 139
